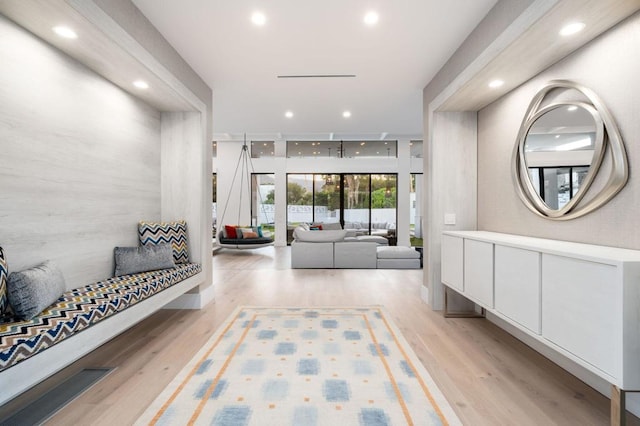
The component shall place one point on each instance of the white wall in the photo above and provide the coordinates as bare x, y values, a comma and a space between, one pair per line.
79, 162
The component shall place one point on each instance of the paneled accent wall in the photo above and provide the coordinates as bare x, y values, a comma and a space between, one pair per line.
79, 161
182, 183
608, 67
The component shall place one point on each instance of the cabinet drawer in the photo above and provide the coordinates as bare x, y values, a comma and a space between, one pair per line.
478, 271
452, 262
517, 285
581, 310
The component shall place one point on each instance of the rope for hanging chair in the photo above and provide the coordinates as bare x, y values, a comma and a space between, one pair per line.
237, 243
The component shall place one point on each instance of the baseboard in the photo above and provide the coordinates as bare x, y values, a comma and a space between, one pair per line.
192, 300
424, 293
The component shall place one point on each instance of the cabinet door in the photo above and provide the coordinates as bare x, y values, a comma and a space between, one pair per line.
517, 285
581, 303
478, 272
451, 269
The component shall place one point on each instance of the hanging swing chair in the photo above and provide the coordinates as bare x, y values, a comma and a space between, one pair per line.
246, 237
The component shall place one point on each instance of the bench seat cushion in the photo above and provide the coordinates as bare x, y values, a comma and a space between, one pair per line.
78, 309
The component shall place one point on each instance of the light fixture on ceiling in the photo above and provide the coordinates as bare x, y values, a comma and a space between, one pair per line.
346, 114
288, 114
65, 32
371, 18
496, 83
572, 28
258, 19
141, 84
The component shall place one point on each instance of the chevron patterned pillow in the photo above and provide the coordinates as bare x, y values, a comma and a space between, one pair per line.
4, 271
153, 233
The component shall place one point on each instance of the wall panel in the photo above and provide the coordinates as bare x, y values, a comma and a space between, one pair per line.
79, 162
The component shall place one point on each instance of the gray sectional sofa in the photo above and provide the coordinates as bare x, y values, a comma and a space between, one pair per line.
334, 248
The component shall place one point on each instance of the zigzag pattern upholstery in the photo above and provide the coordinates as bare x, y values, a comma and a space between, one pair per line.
153, 233
4, 272
78, 309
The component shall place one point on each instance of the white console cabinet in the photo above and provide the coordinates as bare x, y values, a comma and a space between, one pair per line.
581, 300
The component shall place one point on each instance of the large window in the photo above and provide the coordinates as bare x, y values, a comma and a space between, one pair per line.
214, 202
263, 210
342, 149
557, 185
261, 149
362, 203
416, 196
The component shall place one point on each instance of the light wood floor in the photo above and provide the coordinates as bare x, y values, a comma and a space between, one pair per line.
489, 377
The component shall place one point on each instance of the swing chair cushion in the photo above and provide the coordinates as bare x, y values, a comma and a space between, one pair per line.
245, 241
230, 232
245, 236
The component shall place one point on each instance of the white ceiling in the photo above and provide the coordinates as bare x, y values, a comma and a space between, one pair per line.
392, 61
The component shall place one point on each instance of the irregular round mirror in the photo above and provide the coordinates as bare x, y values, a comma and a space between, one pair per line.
559, 152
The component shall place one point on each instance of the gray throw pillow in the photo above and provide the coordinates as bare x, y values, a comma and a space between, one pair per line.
32, 290
131, 260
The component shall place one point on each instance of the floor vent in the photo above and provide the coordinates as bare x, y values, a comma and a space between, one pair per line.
43, 408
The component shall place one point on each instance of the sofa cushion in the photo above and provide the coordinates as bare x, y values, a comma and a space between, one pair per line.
373, 239
32, 290
131, 260
329, 226
154, 233
397, 252
318, 236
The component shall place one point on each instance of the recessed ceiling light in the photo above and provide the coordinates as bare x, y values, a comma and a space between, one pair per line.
346, 114
371, 18
141, 84
496, 83
572, 28
258, 19
572, 108
289, 114
65, 32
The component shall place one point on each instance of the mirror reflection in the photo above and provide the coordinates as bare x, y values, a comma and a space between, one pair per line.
559, 150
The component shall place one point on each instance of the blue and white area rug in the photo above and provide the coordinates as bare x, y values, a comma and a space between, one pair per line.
303, 366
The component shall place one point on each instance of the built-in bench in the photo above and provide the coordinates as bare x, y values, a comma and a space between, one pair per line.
81, 320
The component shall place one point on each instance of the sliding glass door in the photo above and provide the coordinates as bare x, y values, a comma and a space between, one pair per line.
364, 203
263, 210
